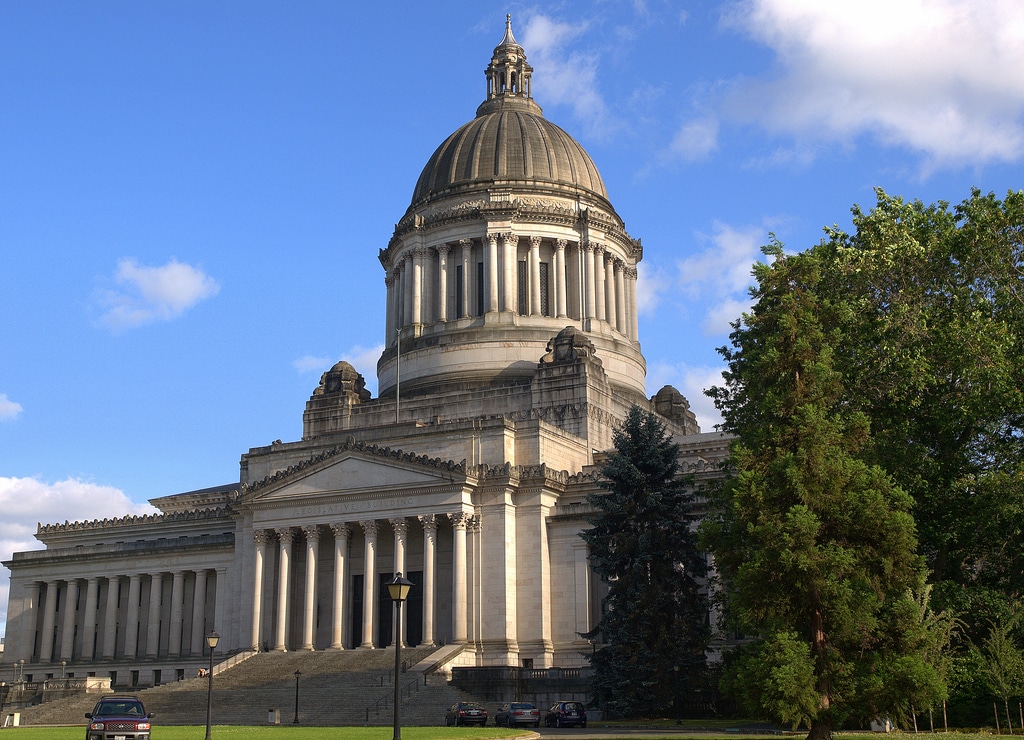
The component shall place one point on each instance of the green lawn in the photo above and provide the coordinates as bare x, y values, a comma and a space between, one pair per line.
290, 732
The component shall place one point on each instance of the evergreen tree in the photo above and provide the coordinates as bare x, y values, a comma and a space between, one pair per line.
642, 543
816, 545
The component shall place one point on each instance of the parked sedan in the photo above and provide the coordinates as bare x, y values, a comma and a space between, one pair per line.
566, 714
517, 713
465, 713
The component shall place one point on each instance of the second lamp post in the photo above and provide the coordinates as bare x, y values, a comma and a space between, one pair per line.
398, 589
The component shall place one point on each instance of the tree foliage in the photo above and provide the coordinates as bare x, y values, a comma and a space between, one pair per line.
878, 375
815, 540
642, 543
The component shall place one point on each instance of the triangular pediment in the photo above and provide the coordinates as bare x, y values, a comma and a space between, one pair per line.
355, 468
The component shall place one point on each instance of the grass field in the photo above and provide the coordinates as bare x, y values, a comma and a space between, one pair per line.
290, 732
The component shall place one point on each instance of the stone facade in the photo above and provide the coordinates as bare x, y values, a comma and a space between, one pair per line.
511, 355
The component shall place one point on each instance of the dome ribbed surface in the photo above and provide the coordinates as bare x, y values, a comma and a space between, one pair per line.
511, 143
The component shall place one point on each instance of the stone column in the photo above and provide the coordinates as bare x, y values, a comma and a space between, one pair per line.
131, 632
401, 527
581, 565
110, 619
406, 283
620, 296
199, 608
49, 622
400, 316
369, 580
599, 296
221, 605
442, 282
260, 538
535, 276
459, 576
560, 286
429, 522
156, 585
588, 281
609, 288
284, 537
634, 322
417, 286
92, 594
467, 259
309, 605
67, 643
341, 534
491, 272
177, 609
509, 299
389, 309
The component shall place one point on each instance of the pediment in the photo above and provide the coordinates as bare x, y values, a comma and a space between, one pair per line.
354, 468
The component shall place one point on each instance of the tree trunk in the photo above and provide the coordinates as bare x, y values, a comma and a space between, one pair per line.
821, 729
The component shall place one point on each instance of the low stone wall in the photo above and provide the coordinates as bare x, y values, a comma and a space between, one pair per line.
542, 686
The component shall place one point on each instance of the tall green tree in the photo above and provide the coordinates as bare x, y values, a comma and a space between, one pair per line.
815, 542
643, 544
932, 357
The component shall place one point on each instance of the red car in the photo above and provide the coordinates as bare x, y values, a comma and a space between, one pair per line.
118, 718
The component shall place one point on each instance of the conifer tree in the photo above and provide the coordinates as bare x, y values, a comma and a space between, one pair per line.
816, 545
642, 543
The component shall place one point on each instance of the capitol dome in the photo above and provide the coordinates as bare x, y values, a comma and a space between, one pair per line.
509, 141
510, 237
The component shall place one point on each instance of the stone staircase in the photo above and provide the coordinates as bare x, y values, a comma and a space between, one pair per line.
335, 688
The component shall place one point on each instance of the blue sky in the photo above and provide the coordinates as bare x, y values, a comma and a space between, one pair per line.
193, 194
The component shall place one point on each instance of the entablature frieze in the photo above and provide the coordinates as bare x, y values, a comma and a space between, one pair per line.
144, 555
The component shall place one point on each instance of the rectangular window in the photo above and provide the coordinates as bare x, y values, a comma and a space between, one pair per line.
480, 305
545, 306
524, 289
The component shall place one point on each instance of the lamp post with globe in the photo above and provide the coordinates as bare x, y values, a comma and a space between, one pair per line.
398, 589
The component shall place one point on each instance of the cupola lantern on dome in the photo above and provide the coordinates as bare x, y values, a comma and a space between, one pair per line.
508, 74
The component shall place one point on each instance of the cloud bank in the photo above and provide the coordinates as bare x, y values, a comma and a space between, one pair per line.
942, 77
26, 502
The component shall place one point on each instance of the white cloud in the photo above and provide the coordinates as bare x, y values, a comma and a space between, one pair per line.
942, 77
696, 139
719, 276
309, 363
562, 77
9, 409
691, 381
651, 285
147, 294
26, 502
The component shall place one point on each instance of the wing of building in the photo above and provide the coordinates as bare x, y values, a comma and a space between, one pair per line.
512, 353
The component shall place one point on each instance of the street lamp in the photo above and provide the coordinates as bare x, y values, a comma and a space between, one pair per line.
296, 720
399, 591
211, 642
22, 664
63, 665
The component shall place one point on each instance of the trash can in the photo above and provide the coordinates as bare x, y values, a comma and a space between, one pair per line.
273, 717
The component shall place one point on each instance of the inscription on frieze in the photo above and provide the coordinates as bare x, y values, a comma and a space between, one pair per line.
347, 508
